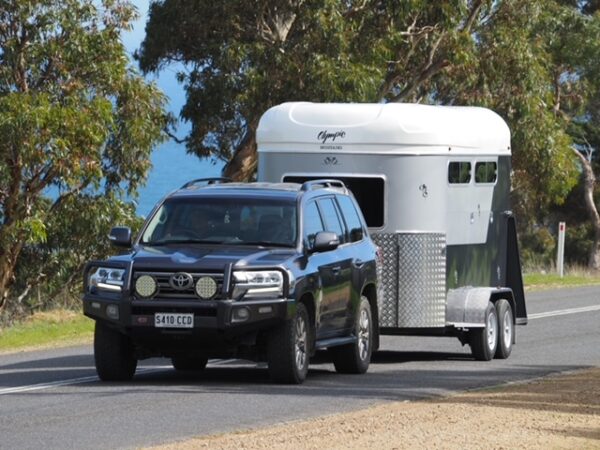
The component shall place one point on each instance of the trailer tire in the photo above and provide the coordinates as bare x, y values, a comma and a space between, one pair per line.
356, 357
288, 348
505, 329
186, 364
484, 341
113, 354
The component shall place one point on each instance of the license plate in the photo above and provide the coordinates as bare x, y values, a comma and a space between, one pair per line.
171, 320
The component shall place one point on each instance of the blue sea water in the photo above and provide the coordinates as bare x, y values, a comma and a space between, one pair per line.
172, 168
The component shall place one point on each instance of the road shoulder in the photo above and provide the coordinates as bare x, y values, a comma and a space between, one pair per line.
558, 411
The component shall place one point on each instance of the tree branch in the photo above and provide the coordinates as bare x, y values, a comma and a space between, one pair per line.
475, 9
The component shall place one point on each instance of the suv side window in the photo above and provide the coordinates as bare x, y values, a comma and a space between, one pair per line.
332, 219
353, 221
312, 223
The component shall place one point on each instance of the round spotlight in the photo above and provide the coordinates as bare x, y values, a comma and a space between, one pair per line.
206, 288
145, 286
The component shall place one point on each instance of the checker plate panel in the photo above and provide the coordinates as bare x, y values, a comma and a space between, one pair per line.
413, 280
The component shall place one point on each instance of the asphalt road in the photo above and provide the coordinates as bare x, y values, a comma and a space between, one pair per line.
52, 399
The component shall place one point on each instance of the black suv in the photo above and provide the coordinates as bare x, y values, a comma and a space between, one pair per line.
260, 271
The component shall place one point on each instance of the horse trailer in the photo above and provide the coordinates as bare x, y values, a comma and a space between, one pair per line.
433, 183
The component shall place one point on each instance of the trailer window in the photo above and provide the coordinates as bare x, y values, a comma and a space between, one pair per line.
486, 172
368, 191
459, 172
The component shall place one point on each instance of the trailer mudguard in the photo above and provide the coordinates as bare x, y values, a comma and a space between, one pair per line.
465, 307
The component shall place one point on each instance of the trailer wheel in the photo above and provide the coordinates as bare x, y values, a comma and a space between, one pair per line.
505, 329
288, 349
184, 364
113, 354
484, 341
356, 357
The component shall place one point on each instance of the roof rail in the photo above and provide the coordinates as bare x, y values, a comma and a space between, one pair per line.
329, 182
213, 180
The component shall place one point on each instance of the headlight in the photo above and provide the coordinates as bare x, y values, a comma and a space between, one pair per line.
106, 279
258, 284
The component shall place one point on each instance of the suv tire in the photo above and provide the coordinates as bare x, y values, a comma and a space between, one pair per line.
113, 354
288, 349
356, 357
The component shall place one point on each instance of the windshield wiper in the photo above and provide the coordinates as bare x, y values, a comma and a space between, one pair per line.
264, 244
179, 241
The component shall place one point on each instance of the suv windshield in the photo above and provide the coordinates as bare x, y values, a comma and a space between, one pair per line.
223, 220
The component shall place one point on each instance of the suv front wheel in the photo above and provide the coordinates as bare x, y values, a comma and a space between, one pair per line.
113, 354
289, 350
356, 357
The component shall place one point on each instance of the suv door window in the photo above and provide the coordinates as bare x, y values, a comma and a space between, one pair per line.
350, 214
332, 219
312, 223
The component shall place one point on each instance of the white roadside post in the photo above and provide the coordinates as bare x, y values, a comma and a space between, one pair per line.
560, 258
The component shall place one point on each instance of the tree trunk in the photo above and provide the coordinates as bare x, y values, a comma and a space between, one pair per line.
8, 263
242, 166
589, 181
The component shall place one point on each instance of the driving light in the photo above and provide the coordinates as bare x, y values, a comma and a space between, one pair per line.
206, 288
145, 286
258, 284
107, 279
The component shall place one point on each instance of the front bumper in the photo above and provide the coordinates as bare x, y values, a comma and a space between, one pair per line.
216, 315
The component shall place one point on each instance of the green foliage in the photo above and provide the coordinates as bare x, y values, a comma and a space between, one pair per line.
243, 57
538, 249
77, 125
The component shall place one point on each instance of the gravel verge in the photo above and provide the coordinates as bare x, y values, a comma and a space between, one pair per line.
557, 412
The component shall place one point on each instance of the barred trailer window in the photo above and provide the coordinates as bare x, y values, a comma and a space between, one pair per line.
459, 172
486, 172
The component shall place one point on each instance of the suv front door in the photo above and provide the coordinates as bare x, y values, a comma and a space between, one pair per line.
337, 299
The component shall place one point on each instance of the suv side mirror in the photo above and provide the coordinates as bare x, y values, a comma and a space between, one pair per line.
325, 241
120, 236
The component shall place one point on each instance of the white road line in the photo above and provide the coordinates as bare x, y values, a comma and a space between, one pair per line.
39, 387
564, 312
69, 382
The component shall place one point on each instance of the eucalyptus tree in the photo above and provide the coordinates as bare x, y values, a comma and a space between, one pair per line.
239, 58
77, 125
517, 57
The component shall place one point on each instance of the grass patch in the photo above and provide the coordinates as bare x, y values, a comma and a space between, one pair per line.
47, 329
577, 277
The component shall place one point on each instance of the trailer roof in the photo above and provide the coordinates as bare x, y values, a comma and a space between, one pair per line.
386, 128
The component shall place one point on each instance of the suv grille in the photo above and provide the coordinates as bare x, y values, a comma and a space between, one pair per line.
166, 291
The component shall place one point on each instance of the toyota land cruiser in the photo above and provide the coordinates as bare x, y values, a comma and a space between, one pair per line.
264, 271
